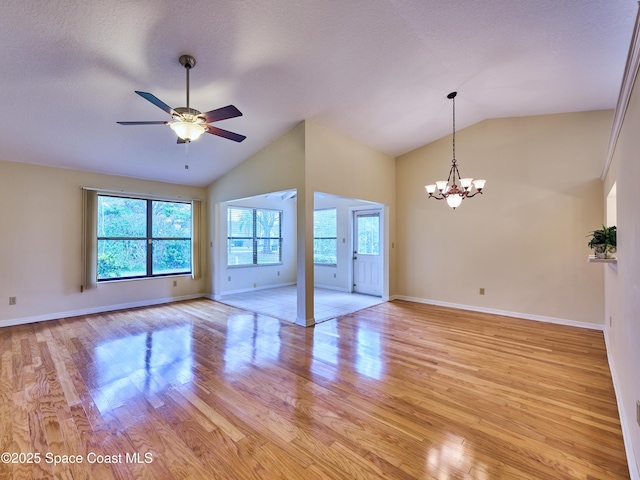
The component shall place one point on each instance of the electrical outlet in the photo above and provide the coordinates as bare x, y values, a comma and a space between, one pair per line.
13, 300
228, 278
255, 285
334, 275
278, 272
175, 283
481, 290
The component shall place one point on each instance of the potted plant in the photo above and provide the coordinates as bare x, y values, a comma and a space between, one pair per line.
604, 242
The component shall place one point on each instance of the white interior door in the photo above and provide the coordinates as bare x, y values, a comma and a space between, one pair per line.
367, 252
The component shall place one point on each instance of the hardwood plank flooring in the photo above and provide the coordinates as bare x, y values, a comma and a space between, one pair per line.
201, 390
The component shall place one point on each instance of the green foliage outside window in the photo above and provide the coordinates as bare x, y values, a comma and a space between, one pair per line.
325, 236
125, 247
254, 236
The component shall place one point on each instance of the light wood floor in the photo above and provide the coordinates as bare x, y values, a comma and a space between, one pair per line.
202, 390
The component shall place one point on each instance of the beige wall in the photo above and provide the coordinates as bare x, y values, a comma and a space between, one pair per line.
623, 282
279, 166
40, 245
523, 240
504, 247
340, 166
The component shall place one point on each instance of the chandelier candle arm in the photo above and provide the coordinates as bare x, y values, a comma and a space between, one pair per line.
449, 189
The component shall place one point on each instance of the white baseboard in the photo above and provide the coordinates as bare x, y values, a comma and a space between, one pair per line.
88, 311
332, 287
524, 316
245, 290
305, 323
634, 469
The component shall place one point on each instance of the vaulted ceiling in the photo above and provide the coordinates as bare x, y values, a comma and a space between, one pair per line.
377, 71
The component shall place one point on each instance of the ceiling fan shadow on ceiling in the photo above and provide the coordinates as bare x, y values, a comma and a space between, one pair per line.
189, 123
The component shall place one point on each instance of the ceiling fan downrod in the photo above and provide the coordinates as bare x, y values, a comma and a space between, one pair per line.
188, 62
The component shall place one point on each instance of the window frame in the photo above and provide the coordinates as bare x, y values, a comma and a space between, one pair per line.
148, 239
334, 264
254, 238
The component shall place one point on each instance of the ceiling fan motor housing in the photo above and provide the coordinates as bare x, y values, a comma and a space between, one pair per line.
187, 61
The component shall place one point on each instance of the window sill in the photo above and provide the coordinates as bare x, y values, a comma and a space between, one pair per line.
252, 265
106, 281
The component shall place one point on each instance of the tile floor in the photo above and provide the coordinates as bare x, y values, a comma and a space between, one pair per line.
281, 302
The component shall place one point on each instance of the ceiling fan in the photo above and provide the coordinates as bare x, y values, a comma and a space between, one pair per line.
189, 123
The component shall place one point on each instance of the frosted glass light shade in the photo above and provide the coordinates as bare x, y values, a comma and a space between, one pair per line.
454, 200
466, 183
430, 188
479, 184
442, 185
187, 130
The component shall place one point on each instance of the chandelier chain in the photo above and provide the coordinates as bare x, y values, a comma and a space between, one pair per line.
454, 129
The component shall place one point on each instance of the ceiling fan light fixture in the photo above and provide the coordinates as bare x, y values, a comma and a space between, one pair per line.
187, 131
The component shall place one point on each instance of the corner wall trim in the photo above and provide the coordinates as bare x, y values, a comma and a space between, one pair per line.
88, 311
524, 316
634, 470
628, 80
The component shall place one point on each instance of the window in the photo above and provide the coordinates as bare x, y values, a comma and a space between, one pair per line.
325, 237
254, 236
368, 236
140, 237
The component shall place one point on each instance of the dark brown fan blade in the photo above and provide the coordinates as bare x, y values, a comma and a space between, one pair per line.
159, 122
222, 114
180, 140
236, 137
157, 102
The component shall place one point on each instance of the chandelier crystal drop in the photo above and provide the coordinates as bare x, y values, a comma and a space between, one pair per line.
449, 189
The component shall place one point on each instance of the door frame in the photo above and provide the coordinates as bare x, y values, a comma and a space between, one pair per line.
384, 243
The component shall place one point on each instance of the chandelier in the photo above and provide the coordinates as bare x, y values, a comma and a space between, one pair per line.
454, 193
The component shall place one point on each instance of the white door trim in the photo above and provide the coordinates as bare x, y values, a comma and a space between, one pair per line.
384, 243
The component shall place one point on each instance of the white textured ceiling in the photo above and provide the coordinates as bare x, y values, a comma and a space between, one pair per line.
376, 70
